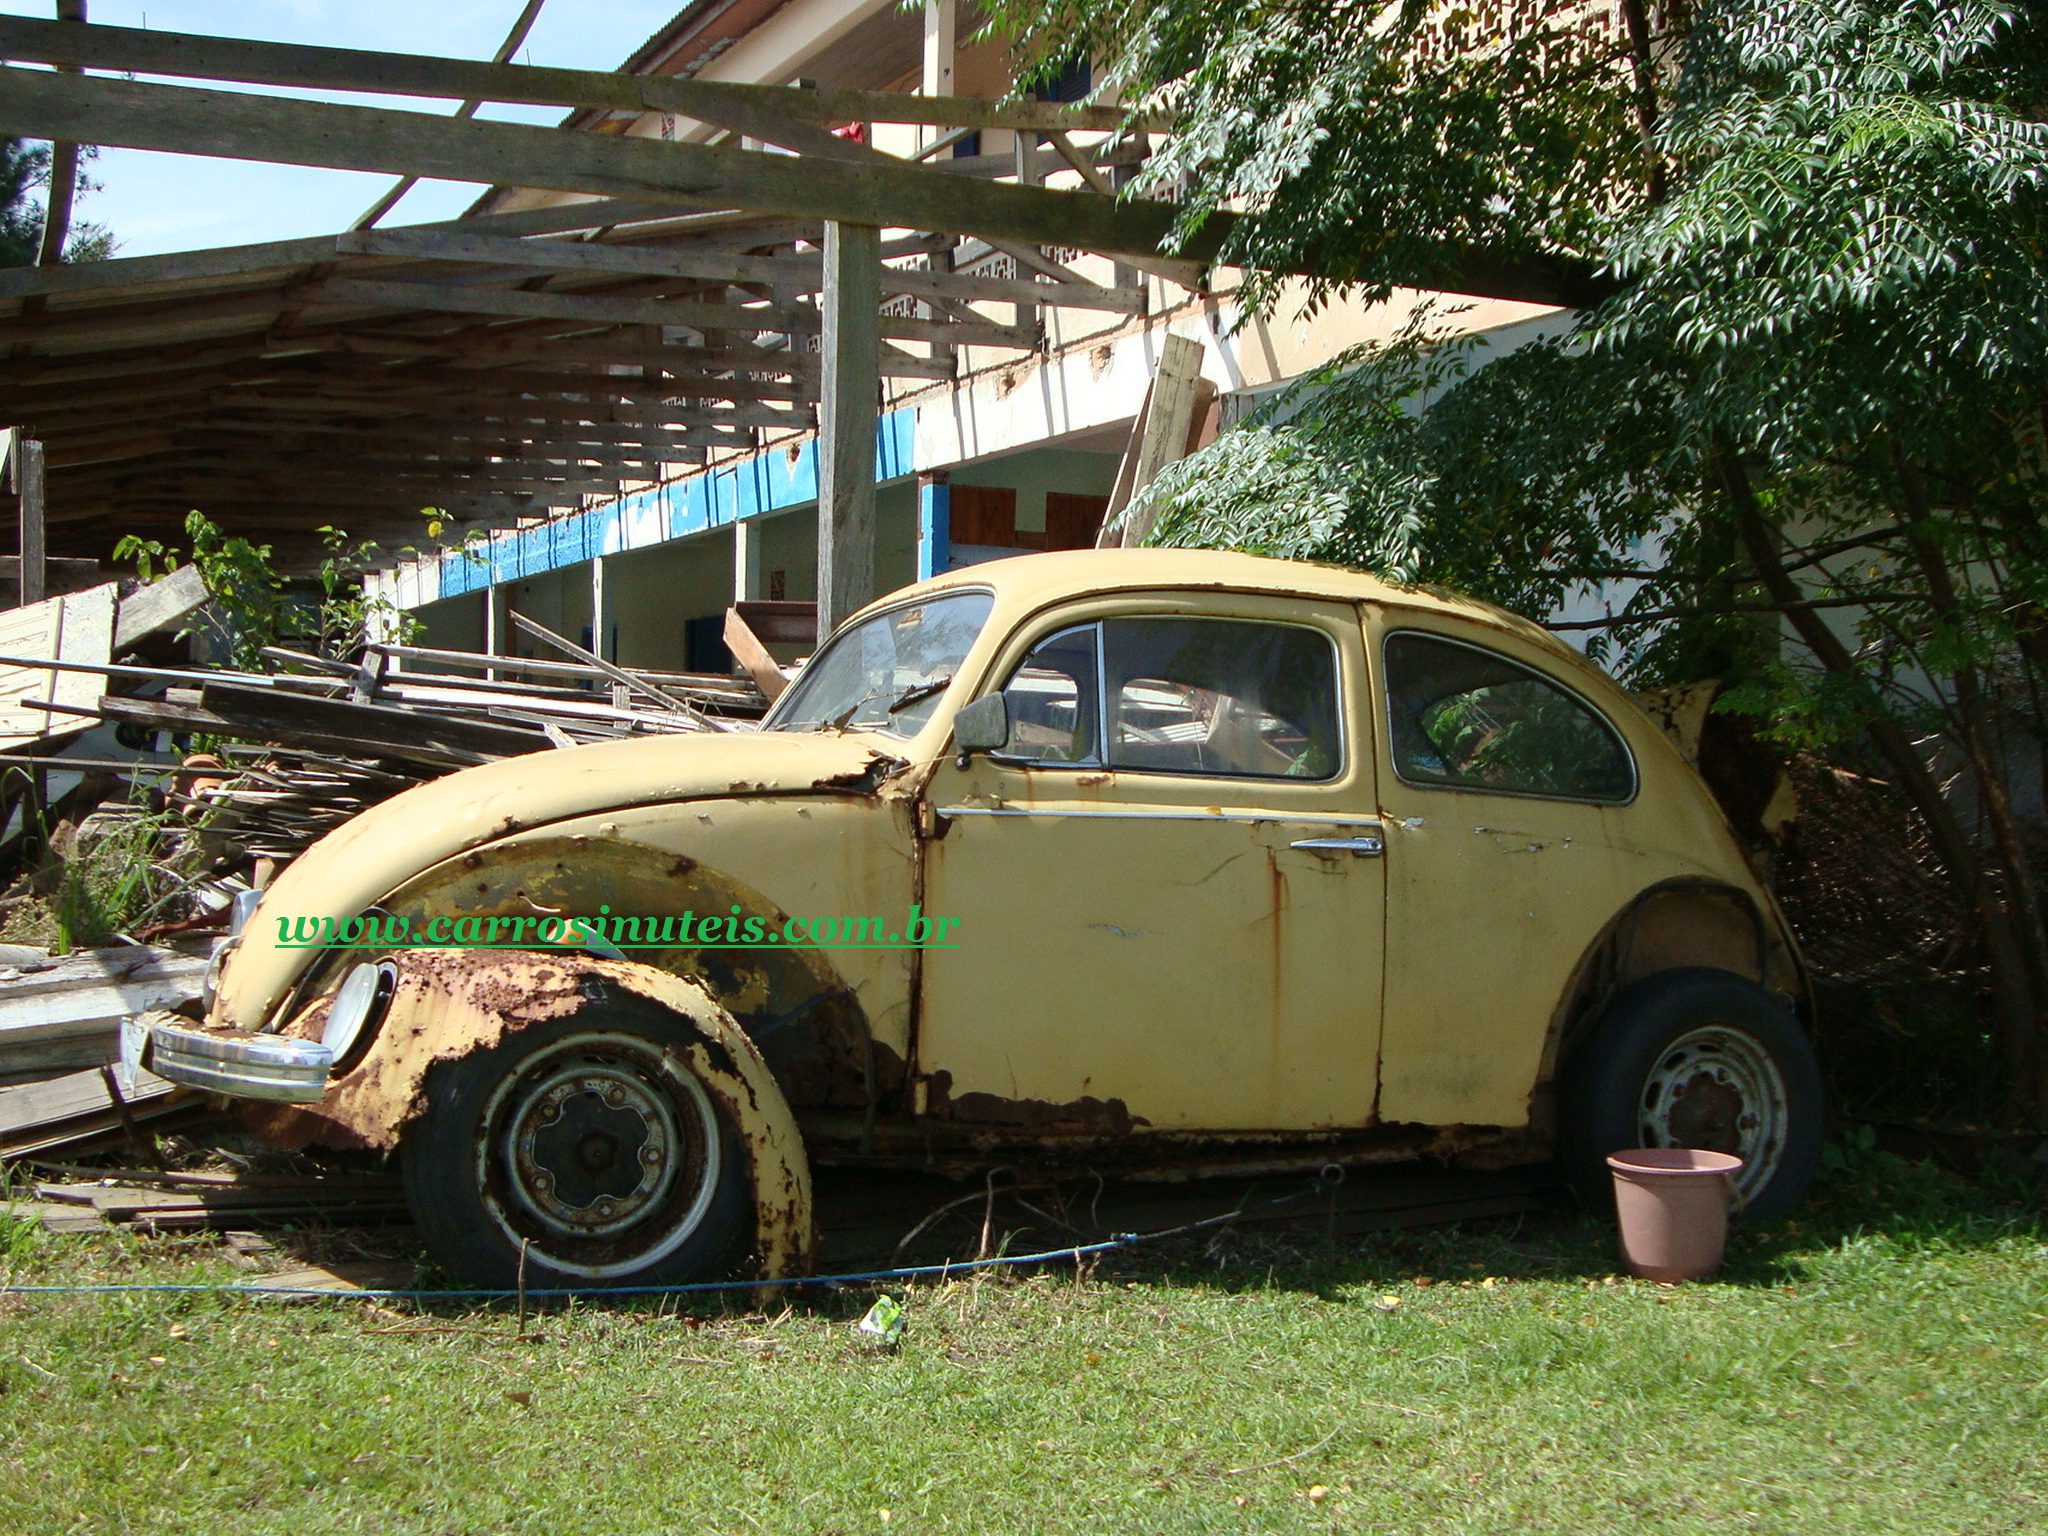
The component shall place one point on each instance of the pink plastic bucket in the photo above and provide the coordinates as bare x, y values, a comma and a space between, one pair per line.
1673, 1204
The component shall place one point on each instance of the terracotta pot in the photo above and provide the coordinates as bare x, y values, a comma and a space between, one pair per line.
1673, 1203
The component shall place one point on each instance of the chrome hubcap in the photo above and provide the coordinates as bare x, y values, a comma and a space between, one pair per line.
601, 1156
1717, 1089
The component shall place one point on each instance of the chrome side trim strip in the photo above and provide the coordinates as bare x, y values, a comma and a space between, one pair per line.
1362, 823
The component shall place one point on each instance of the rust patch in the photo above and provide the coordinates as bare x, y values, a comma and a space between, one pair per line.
451, 1003
878, 770
820, 1053
1084, 1116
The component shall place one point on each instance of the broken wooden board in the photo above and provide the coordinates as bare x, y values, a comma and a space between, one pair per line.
76, 626
1166, 427
77, 1113
56, 1215
748, 650
341, 1277
68, 1013
158, 605
181, 1202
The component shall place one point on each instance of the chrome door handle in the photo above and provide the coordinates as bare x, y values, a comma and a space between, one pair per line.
1365, 847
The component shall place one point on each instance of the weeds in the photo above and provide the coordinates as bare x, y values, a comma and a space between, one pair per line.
100, 880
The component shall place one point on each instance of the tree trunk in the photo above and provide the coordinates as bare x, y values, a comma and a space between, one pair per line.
2019, 994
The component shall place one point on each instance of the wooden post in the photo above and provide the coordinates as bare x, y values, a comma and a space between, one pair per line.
1029, 316
28, 487
941, 49
941, 46
848, 415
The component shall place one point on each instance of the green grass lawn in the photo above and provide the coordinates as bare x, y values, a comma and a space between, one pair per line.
1880, 1366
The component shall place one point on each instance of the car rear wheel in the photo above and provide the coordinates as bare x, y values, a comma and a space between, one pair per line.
1696, 1058
594, 1152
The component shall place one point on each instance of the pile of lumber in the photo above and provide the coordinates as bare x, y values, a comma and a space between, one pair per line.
58, 1013
210, 1201
309, 745
60, 1033
84, 1113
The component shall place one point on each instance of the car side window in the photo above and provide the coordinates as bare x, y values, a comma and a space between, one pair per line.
1055, 716
1232, 698
1461, 717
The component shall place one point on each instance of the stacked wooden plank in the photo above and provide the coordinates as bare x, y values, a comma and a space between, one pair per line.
66, 1012
87, 1112
307, 748
215, 1201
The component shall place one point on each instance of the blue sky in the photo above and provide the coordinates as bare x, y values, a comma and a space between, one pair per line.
176, 202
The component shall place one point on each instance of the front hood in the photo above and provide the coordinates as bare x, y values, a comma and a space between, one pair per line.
361, 863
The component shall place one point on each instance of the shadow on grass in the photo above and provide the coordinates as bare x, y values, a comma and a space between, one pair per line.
1867, 1195
1908, 1206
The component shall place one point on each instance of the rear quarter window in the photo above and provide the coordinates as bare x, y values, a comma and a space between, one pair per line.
1462, 717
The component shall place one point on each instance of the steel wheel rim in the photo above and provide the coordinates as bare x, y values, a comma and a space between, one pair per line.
600, 1156
1717, 1089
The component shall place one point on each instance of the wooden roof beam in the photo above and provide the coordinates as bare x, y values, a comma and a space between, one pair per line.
139, 115
803, 272
758, 110
802, 320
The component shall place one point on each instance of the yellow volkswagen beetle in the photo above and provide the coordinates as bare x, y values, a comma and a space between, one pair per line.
1144, 861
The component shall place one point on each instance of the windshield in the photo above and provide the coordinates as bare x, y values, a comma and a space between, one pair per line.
886, 673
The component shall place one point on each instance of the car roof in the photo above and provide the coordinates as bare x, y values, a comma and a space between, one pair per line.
1028, 580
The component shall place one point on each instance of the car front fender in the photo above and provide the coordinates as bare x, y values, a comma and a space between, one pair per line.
446, 1004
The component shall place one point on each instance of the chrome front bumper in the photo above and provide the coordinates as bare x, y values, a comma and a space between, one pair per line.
236, 1062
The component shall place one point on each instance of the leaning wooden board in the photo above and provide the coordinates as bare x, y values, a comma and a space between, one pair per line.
68, 1012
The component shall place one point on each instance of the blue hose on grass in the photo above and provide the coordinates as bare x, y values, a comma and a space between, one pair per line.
696, 1288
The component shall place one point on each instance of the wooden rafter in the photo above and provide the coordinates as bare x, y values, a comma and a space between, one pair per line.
346, 69
186, 120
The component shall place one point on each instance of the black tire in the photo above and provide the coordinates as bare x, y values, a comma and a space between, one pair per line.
589, 1140
1696, 1058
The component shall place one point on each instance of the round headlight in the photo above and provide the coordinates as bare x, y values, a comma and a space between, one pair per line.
359, 1000
209, 986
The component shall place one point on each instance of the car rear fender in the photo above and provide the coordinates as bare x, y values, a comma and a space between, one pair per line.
1681, 922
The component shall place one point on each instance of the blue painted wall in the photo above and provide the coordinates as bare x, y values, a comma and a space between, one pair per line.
773, 481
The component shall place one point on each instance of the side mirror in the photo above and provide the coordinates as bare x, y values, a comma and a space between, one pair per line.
983, 726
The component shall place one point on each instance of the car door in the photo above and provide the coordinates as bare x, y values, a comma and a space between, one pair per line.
1167, 890
1505, 794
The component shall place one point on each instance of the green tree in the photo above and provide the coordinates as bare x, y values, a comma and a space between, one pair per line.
1803, 389
24, 172
23, 166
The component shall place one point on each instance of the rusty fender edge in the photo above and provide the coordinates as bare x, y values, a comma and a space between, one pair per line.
449, 1003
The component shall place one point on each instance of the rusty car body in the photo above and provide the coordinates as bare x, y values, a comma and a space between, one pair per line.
1247, 864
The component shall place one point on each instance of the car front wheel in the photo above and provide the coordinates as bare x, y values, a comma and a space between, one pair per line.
1696, 1058
591, 1154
